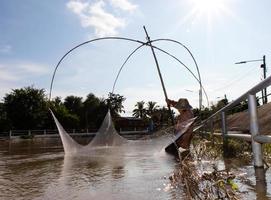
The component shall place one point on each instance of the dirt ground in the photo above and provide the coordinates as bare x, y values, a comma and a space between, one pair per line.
240, 121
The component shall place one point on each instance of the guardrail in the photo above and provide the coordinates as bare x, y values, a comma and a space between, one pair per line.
73, 132
254, 136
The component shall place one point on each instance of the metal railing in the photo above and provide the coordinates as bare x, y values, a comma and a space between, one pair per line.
11, 134
254, 136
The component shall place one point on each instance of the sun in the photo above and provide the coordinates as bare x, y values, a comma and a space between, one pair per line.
208, 10
209, 7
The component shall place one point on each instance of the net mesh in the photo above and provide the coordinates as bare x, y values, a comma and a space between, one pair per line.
108, 136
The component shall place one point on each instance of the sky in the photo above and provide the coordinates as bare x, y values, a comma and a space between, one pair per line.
36, 34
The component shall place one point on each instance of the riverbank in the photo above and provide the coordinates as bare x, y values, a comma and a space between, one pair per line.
240, 121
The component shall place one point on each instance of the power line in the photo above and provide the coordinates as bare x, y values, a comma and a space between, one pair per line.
237, 79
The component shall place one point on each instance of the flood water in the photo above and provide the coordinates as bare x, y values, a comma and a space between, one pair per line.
38, 169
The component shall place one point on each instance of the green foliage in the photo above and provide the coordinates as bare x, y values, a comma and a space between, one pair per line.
74, 104
151, 108
67, 119
158, 116
4, 122
26, 108
94, 111
140, 111
114, 102
234, 148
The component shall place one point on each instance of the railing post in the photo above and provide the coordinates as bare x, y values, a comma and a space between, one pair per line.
10, 134
224, 124
261, 185
224, 132
254, 130
212, 130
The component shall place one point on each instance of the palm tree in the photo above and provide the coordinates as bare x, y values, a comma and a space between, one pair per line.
140, 111
151, 108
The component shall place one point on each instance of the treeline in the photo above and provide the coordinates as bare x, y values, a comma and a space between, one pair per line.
28, 108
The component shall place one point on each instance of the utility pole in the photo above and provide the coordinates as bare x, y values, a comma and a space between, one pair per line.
263, 65
264, 76
159, 73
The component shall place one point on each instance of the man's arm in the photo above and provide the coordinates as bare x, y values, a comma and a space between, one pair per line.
171, 102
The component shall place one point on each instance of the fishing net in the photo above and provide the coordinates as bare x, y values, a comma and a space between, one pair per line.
107, 136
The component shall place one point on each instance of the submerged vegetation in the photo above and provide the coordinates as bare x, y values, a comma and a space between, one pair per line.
201, 176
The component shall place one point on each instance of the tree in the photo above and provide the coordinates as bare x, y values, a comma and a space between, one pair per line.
4, 122
94, 111
74, 104
115, 103
26, 108
140, 111
165, 116
151, 108
67, 119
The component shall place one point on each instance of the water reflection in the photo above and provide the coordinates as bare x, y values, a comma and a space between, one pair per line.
261, 185
38, 169
129, 172
250, 178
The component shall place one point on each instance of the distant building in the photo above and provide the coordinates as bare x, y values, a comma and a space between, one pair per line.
131, 124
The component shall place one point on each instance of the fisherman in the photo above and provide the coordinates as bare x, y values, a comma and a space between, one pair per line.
183, 127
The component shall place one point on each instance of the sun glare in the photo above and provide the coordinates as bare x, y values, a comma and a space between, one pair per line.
210, 10
209, 7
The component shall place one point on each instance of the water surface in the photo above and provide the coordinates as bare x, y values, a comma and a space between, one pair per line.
38, 169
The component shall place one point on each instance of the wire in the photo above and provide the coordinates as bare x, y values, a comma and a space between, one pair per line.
237, 79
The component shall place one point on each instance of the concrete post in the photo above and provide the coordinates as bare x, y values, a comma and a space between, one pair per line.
212, 130
10, 134
254, 130
224, 124
224, 133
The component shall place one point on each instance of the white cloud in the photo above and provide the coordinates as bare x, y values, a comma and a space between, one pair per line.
33, 68
18, 74
94, 15
77, 7
124, 5
6, 75
16, 71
